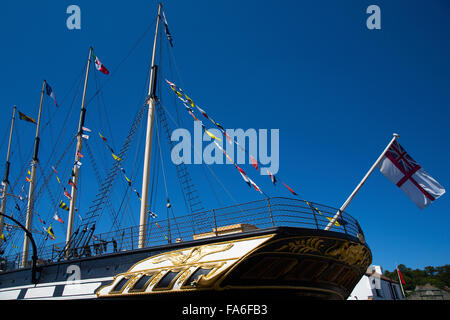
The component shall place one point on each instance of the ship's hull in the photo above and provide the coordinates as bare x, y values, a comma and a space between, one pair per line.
275, 263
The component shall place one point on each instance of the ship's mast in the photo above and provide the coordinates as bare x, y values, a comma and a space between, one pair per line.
76, 167
5, 179
148, 143
34, 162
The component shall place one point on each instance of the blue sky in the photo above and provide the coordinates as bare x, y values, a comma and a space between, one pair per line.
335, 90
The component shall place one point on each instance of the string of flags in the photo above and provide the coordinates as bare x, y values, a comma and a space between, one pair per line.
118, 159
190, 105
109, 147
66, 192
336, 223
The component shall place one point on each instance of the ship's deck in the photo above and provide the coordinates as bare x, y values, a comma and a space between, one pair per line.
261, 214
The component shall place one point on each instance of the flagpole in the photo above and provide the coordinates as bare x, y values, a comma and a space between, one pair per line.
34, 162
76, 168
347, 202
148, 144
5, 179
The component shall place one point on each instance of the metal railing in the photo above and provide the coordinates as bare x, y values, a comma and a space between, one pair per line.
270, 212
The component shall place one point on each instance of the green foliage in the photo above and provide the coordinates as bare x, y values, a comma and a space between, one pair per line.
436, 276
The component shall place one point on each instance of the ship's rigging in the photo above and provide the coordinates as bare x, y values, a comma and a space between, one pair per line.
58, 164
102, 202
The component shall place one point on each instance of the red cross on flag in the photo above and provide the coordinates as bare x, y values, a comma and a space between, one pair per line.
409, 176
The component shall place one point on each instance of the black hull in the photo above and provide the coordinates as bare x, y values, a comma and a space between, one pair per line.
279, 269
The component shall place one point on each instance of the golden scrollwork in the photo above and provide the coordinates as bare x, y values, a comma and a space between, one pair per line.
193, 255
348, 252
131, 283
308, 245
184, 275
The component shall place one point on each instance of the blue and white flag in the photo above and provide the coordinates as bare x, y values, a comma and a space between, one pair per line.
166, 27
50, 93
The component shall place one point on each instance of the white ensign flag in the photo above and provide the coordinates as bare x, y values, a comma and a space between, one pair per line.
409, 176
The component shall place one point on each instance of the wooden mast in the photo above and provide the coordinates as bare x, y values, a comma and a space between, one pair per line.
76, 167
5, 179
34, 162
148, 144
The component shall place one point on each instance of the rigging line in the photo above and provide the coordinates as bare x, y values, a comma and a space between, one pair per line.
164, 176
78, 79
37, 194
176, 66
174, 98
133, 172
161, 159
140, 136
207, 166
4, 137
52, 138
44, 186
21, 218
19, 148
176, 224
63, 127
113, 72
178, 125
213, 188
100, 119
120, 207
128, 196
101, 103
136, 156
188, 206
223, 131
99, 180
96, 210
155, 180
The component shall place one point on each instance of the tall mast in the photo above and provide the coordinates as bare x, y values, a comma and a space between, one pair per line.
77, 157
148, 143
26, 240
5, 179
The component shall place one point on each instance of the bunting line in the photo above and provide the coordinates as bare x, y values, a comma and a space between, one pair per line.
123, 171
336, 223
190, 105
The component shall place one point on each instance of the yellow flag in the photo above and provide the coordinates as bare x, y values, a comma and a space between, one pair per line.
211, 135
335, 223
190, 101
50, 232
116, 157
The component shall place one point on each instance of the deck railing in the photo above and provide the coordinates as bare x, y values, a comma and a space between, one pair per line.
270, 212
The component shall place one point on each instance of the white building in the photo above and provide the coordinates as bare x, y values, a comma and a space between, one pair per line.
375, 286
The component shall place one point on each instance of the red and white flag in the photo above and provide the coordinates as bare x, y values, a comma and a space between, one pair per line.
409, 176
400, 276
100, 67
57, 218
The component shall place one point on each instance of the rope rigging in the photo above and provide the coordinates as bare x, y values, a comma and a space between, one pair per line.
106, 179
